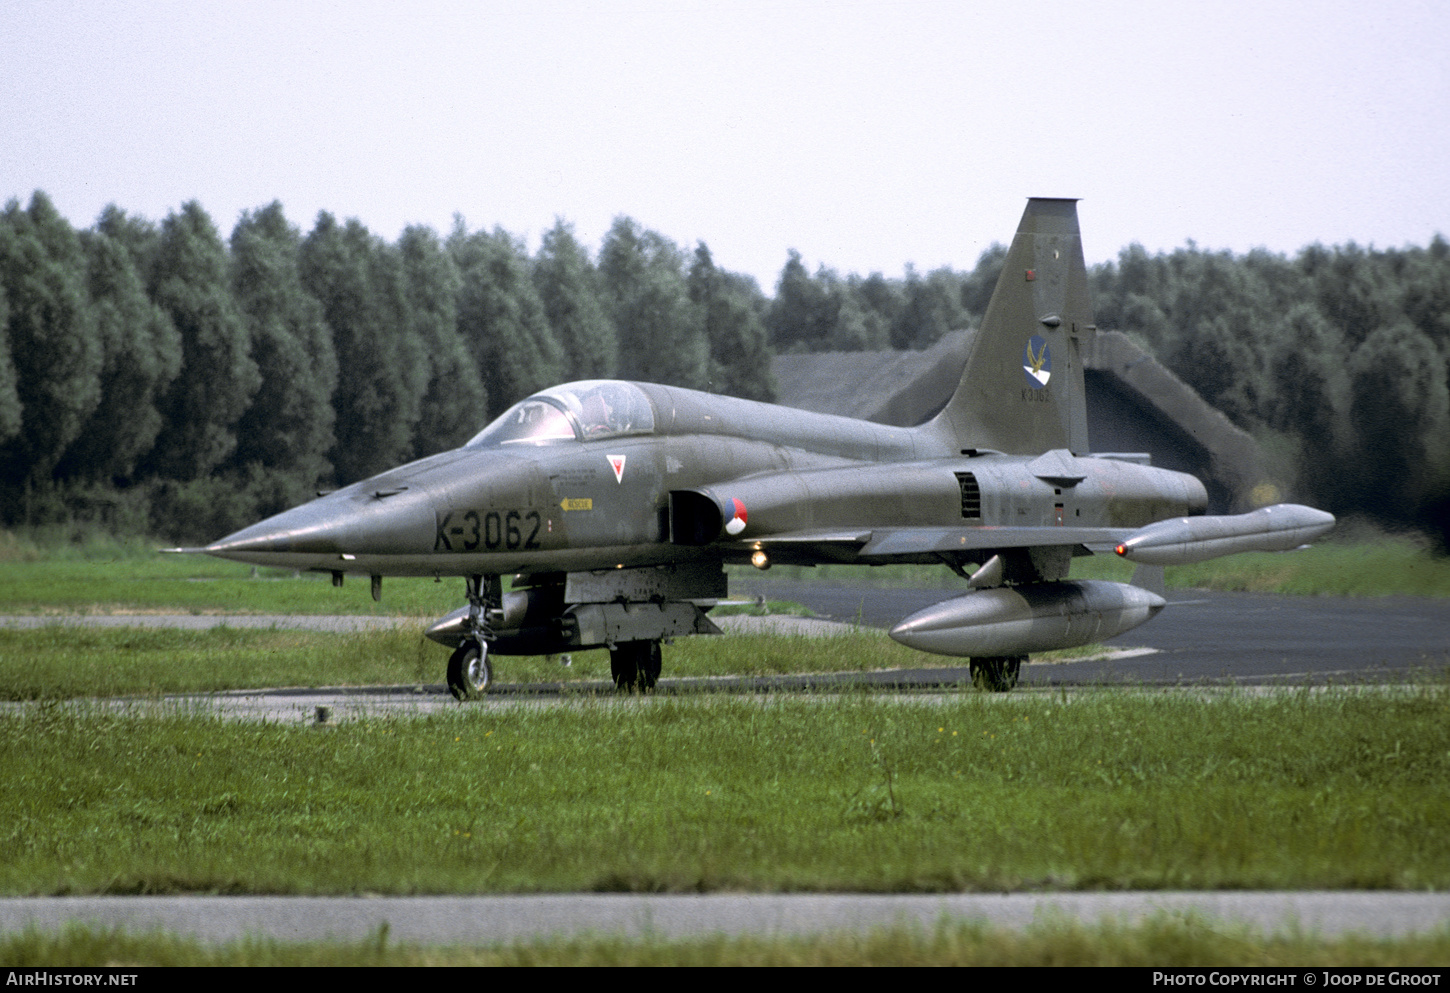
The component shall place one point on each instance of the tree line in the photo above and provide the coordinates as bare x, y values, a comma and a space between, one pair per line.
1336, 359
156, 378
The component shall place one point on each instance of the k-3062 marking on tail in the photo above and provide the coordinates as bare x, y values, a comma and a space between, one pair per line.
1001, 487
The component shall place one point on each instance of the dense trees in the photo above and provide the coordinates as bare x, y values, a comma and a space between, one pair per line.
646, 295
218, 379
157, 376
726, 309
10, 418
568, 287
140, 358
288, 429
1337, 359
827, 313
358, 278
501, 318
454, 401
51, 339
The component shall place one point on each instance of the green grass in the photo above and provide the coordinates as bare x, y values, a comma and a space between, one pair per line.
1163, 942
1106, 790
60, 662
77, 544
182, 584
1389, 567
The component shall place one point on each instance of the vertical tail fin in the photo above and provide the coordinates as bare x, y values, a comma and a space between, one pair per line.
1021, 391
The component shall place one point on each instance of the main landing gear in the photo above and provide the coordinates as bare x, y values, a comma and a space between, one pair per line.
996, 674
635, 665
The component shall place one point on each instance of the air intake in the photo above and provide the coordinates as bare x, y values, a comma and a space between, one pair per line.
971, 496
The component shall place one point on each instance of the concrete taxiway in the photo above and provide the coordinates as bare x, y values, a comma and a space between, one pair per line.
496, 919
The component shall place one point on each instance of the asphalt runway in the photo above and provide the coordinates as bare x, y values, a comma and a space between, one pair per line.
1203, 636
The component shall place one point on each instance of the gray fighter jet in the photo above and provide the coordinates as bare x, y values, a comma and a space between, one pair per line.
615, 505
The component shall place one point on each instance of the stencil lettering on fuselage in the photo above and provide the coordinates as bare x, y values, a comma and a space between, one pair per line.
493, 530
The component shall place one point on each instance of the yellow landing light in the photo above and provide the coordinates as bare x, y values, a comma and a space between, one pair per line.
760, 560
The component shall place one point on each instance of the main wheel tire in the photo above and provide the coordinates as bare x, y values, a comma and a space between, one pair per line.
996, 674
635, 665
624, 666
469, 671
650, 664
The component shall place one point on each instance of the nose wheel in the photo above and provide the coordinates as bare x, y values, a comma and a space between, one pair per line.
469, 671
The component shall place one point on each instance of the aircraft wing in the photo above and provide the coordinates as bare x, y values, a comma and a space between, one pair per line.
801, 539
887, 544
892, 542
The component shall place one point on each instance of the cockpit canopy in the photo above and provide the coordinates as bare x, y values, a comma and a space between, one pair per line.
584, 411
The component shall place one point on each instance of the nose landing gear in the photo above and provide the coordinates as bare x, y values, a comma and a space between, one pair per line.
469, 671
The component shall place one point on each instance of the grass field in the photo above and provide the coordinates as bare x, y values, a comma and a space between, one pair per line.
1304, 789
154, 583
1162, 942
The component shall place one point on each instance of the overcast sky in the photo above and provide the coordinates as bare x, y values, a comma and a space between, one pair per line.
866, 135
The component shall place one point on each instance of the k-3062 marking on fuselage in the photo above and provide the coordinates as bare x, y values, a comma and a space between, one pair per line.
490, 530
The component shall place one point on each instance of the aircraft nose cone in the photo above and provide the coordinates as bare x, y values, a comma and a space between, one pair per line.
322, 526
301, 529
356, 523
394, 514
